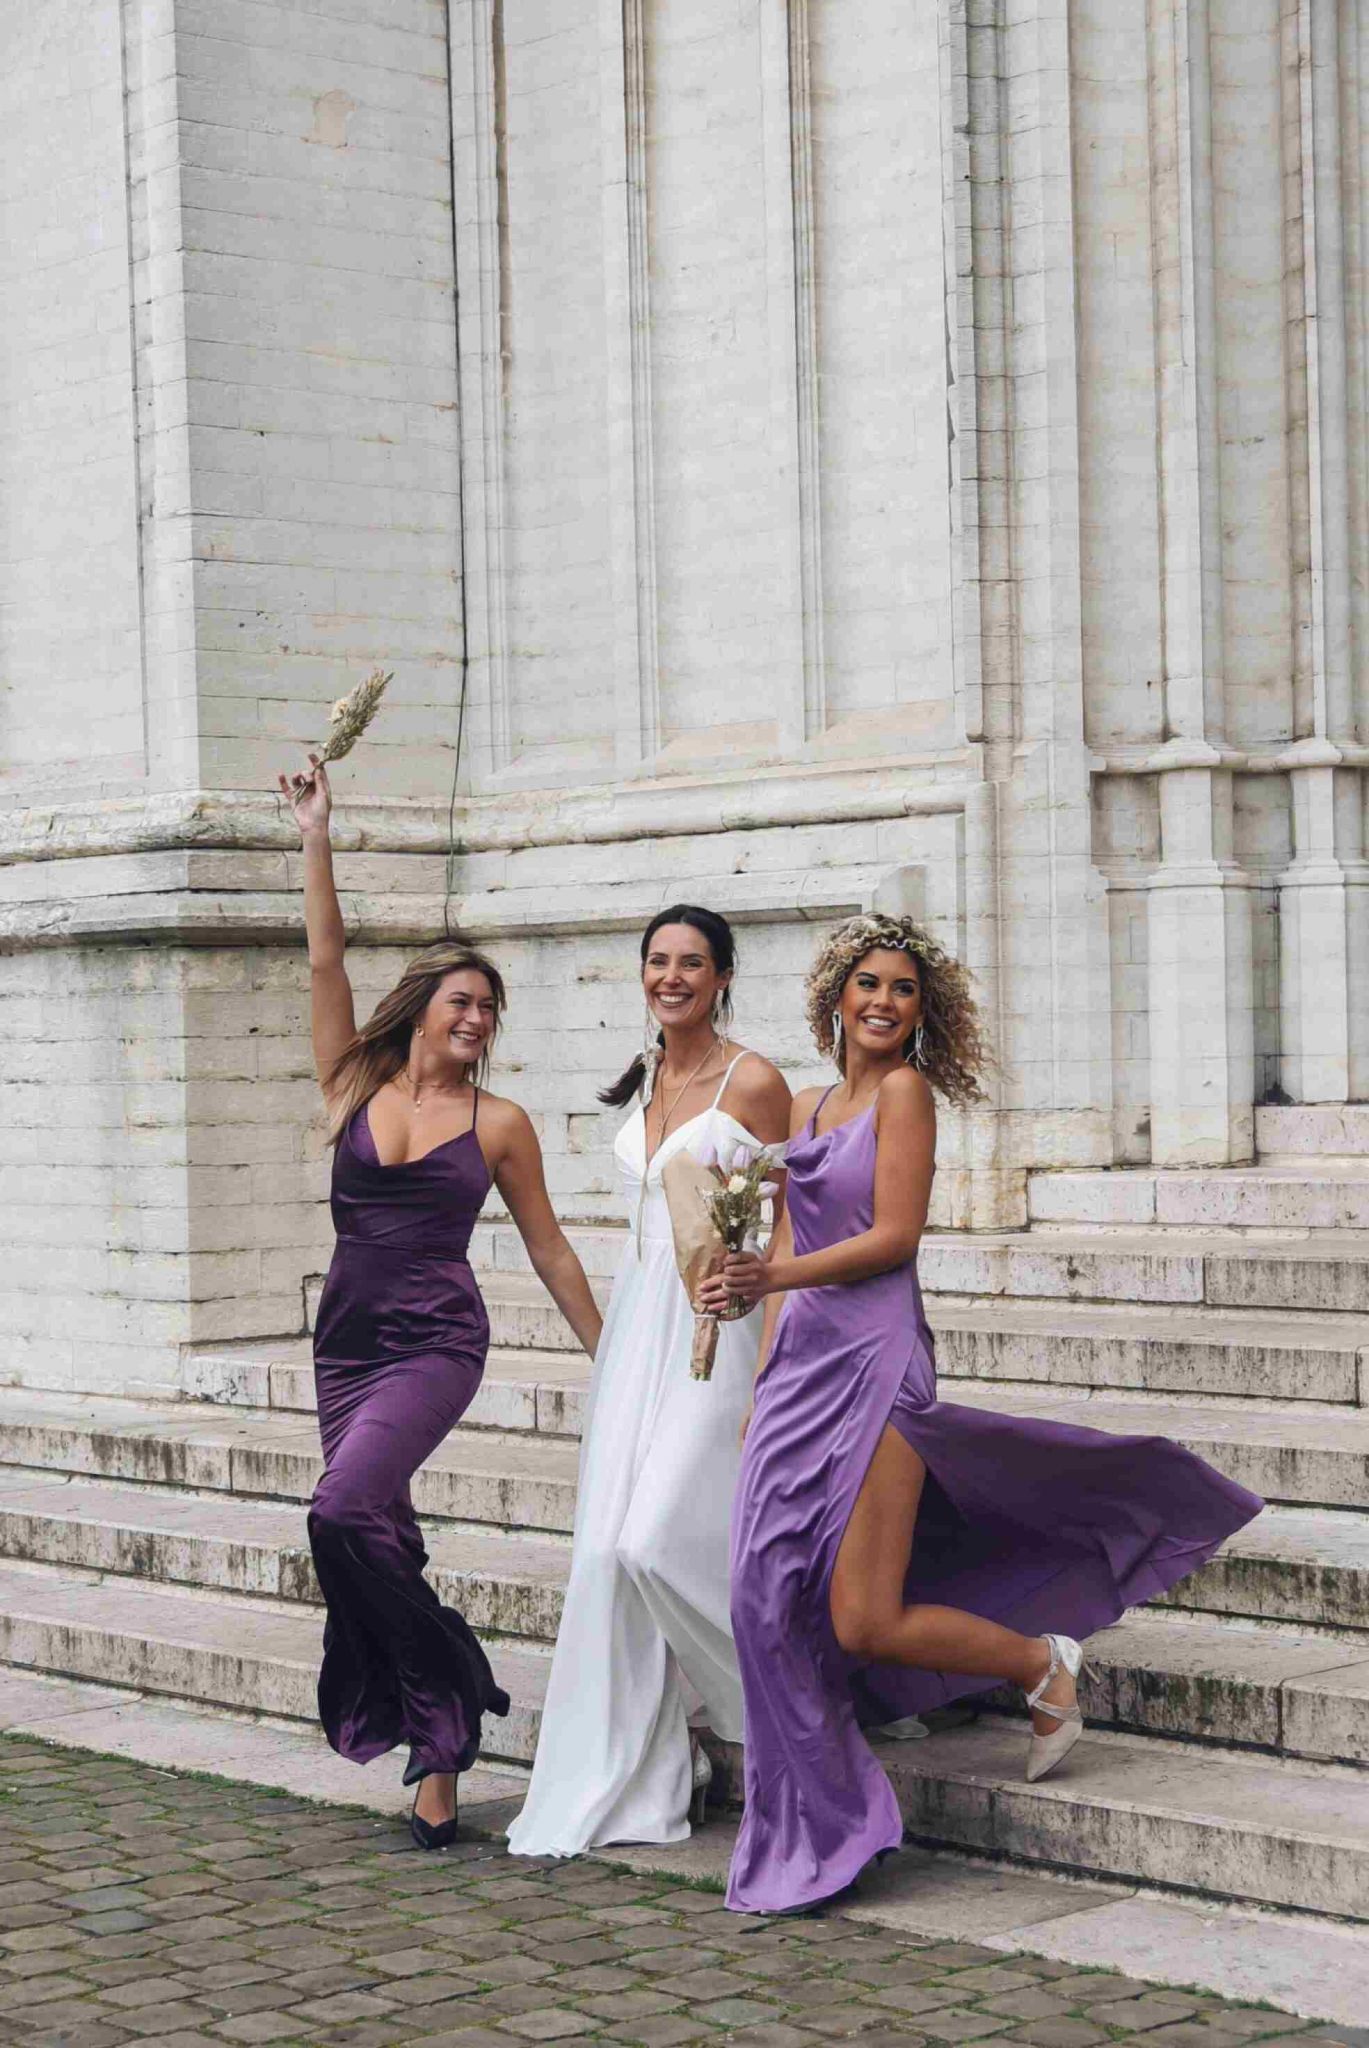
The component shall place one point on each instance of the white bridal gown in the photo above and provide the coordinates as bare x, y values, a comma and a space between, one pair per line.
646, 1641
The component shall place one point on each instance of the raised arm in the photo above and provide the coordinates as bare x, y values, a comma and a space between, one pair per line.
521, 1181
332, 1010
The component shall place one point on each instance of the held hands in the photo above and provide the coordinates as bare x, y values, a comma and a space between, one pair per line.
744, 1277
309, 797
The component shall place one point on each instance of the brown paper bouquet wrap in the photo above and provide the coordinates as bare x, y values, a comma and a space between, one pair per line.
713, 1211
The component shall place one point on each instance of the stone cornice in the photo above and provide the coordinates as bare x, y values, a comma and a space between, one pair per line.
754, 800
185, 915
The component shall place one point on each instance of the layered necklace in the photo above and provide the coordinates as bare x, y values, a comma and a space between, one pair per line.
669, 1104
416, 1087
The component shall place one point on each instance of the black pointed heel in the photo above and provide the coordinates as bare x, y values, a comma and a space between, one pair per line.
429, 1835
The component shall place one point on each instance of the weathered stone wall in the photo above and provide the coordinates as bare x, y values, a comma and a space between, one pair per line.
801, 455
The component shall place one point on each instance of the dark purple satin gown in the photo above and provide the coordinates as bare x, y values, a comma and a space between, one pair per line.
399, 1351
1038, 1525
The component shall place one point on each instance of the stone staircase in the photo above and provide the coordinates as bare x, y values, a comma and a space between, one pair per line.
162, 1548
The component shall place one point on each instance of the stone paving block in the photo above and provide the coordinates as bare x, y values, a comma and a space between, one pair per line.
443, 1988
772, 2034
518, 1969
1236, 2025
259, 2028
549, 2023
161, 2019
344, 2005
734, 2012
699, 1984
1139, 2012
964, 2026
144, 1991
1063, 2034
1034, 2004
665, 2031
922, 1998
629, 2005
92, 2034
838, 2020
235, 1999
473, 2037
1179, 2034
596, 1977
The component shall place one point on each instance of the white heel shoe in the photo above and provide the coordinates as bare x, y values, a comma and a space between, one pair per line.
1047, 1751
701, 1779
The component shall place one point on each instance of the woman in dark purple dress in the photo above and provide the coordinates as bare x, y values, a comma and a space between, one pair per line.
401, 1332
891, 1551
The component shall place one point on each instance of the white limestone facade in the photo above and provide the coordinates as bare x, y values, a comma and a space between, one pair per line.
793, 456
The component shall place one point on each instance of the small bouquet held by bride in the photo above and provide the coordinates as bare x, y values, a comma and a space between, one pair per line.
715, 1208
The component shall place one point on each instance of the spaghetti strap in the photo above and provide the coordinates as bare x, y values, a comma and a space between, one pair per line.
817, 1111
744, 1054
475, 1106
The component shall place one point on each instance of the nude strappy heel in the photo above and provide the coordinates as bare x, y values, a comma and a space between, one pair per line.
1046, 1751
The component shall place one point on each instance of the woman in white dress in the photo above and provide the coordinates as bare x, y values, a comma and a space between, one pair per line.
645, 1646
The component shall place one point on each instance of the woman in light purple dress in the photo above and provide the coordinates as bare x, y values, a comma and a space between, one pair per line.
890, 1551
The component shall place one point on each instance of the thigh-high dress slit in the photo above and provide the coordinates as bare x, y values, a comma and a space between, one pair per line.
1035, 1525
399, 1352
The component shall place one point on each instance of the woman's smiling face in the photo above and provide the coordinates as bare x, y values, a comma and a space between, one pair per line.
881, 1004
679, 977
461, 1016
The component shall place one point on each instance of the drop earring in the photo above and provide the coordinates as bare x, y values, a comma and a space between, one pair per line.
914, 1058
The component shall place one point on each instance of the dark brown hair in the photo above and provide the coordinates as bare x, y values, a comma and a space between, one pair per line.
715, 930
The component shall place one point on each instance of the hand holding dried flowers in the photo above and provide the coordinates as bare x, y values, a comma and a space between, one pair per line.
351, 715
715, 1208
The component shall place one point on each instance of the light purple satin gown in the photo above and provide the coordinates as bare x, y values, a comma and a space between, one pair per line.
1037, 1525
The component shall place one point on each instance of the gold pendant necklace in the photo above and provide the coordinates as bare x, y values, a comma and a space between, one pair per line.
667, 1112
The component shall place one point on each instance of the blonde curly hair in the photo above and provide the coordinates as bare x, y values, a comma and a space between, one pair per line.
954, 1052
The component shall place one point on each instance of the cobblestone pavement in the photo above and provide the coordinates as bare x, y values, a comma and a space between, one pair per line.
138, 1905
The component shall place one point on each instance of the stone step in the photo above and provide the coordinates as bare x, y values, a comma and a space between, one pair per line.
542, 1391
1298, 1454
508, 1584
1147, 1348
1238, 1685
1198, 1679
1290, 1565
226, 1651
1311, 1130
1310, 1194
1241, 1353
482, 1476
1285, 1270
1260, 1828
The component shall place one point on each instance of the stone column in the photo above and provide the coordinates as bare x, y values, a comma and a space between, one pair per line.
1202, 1051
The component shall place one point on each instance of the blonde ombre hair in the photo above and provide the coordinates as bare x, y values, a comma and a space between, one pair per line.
954, 1052
381, 1046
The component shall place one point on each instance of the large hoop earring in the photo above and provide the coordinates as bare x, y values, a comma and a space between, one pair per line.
914, 1058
